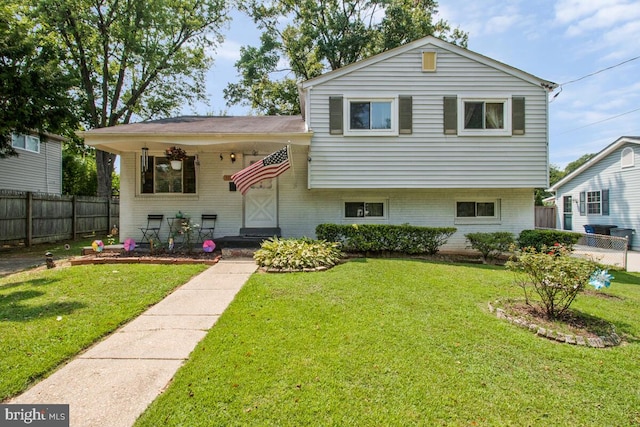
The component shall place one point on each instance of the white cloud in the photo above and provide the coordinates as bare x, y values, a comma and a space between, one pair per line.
229, 50
585, 17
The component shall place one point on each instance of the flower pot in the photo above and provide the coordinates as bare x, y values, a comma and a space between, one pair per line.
176, 165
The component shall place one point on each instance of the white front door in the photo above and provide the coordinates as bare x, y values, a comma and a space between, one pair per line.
261, 202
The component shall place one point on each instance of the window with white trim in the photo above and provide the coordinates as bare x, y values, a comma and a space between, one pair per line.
471, 211
360, 209
484, 116
25, 142
594, 202
370, 116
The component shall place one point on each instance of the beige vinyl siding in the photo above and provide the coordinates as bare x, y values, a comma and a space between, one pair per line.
428, 158
36, 172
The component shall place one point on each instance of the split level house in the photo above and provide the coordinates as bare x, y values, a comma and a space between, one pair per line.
604, 192
428, 134
38, 166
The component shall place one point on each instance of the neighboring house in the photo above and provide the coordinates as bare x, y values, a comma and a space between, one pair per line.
38, 166
603, 191
428, 134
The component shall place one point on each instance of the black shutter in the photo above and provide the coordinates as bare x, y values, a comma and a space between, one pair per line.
450, 115
405, 112
605, 202
517, 115
583, 203
335, 115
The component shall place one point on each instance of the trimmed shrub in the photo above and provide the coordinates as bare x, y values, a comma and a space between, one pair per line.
547, 238
407, 239
490, 245
297, 254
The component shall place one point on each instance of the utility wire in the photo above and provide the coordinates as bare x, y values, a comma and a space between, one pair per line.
598, 72
590, 75
600, 121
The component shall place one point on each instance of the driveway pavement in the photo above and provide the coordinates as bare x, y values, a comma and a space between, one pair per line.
10, 264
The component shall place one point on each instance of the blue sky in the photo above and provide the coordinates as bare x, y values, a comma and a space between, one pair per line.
560, 41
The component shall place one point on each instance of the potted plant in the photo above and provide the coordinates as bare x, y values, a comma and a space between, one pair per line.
176, 155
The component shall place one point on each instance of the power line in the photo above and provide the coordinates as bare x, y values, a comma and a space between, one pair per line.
598, 72
600, 121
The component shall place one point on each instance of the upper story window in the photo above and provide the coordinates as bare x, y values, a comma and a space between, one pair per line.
355, 116
161, 178
25, 142
471, 115
478, 116
627, 158
367, 115
483, 115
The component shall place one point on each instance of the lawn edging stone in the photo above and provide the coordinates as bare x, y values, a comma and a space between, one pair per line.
610, 340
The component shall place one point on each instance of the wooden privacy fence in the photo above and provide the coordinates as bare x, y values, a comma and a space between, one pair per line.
32, 218
545, 216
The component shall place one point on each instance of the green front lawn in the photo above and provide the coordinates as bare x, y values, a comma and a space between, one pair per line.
380, 342
48, 316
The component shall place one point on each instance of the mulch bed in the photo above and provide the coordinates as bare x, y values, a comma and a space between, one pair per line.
141, 257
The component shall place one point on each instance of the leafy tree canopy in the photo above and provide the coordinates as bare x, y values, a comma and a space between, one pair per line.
33, 89
303, 39
578, 162
131, 58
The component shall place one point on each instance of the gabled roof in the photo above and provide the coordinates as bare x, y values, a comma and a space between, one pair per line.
426, 42
597, 158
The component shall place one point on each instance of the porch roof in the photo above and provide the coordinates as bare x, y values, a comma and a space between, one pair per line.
200, 131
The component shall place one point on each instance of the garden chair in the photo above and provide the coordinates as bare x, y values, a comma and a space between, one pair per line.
207, 225
152, 230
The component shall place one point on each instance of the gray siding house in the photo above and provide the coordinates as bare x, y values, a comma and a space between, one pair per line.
428, 133
38, 166
603, 191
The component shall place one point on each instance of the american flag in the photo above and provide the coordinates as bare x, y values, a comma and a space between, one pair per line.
269, 167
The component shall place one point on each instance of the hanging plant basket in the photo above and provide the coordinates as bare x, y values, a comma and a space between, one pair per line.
176, 155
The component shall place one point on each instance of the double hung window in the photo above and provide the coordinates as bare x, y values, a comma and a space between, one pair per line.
594, 202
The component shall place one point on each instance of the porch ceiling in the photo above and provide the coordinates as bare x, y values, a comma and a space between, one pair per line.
205, 133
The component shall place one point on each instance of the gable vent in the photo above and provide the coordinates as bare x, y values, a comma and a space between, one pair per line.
428, 61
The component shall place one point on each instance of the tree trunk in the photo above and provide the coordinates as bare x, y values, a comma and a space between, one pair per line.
104, 166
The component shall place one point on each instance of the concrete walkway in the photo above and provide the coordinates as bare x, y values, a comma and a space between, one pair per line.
114, 381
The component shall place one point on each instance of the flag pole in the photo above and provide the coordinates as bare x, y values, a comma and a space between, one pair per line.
293, 170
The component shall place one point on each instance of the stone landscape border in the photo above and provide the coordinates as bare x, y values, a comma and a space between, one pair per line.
603, 341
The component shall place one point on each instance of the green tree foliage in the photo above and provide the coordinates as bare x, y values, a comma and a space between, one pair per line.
323, 36
555, 175
33, 89
79, 176
131, 59
578, 162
